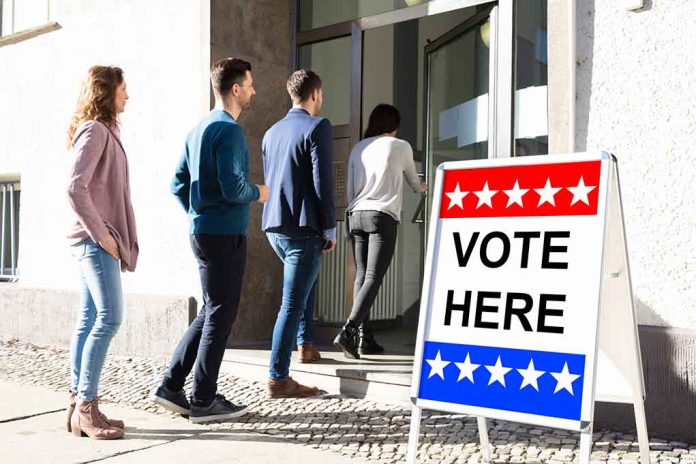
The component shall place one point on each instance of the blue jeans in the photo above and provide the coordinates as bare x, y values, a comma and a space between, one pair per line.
300, 252
305, 328
99, 317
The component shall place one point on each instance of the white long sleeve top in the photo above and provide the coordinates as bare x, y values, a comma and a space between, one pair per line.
376, 170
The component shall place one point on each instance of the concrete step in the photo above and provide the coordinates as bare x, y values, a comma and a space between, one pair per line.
385, 378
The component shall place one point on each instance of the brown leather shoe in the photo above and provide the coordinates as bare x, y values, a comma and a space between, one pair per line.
288, 388
70, 410
112, 422
307, 353
87, 420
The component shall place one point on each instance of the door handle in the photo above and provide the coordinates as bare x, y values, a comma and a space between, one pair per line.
418, 216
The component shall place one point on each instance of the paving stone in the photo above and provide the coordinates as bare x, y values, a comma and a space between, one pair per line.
351, 427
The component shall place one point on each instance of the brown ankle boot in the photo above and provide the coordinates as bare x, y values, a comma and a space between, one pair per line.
307, 353
70, 410
288, 388
112, 422
87, 420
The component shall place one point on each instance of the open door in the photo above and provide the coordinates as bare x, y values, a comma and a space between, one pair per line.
459, 77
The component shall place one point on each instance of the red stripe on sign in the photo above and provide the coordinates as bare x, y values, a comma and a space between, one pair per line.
561, 189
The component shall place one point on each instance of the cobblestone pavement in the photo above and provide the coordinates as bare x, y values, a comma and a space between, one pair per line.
373, 431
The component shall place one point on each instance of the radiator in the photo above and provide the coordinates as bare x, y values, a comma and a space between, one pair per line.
334, 297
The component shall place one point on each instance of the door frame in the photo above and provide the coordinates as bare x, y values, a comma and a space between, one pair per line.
502, 55
489, 13
501, 87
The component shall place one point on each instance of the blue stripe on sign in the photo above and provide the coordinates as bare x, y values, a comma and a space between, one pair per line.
535, 382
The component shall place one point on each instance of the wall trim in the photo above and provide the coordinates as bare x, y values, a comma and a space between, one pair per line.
27, 34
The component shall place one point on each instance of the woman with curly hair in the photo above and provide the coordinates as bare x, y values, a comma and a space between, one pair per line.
103, 240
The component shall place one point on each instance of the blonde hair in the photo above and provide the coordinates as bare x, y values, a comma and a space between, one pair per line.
97, 98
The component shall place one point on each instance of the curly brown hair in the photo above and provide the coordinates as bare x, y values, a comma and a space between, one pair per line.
97, 98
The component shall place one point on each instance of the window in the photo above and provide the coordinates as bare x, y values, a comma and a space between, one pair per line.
20, 15
531, 78
331, 60
318, 13
9, 226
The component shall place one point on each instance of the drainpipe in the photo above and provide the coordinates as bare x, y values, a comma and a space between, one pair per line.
572, 72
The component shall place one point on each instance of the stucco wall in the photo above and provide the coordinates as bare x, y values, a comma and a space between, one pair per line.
163, 47
635, 97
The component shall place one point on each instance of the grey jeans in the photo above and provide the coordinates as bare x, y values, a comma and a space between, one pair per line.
373, 235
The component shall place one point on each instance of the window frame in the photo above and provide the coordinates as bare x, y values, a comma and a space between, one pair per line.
10, 186
9, 35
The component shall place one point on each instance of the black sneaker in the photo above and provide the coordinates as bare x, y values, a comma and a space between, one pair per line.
347, 341
174, 401
219, 409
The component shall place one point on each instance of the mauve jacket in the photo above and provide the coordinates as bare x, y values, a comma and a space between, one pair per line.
99, 190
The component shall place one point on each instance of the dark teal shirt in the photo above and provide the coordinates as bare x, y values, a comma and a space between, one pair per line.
211, 179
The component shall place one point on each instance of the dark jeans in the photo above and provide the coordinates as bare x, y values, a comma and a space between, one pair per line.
221, 260
373, 235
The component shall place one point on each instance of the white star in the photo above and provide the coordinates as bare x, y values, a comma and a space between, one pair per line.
498, 372
564, 379
530, 376
547, 193
437, 366
466, 369
580, 192
456, 197
515, 195
485, 196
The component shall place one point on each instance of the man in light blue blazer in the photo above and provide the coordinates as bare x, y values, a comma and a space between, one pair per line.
299, 218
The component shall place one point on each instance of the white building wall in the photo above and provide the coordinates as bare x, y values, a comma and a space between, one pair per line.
163, 47
636, 97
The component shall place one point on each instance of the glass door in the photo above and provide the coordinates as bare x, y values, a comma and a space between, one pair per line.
459, 105
335, 54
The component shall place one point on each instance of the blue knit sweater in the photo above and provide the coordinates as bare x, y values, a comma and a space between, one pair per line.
211, 179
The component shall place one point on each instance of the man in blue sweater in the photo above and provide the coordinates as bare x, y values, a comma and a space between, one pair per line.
211, 183
299, 216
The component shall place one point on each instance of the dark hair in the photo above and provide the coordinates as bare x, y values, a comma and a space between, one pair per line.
302, 83
97, 98
227, 72
384, 118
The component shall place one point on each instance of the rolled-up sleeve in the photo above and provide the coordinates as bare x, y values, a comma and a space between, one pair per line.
410, 168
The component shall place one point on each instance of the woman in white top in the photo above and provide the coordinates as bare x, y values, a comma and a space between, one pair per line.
376, 170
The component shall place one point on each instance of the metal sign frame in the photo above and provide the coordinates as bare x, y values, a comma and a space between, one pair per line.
615, 304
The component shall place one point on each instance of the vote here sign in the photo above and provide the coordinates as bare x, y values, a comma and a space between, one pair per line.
511, 295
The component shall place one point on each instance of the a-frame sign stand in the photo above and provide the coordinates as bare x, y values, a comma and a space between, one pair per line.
618, 375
